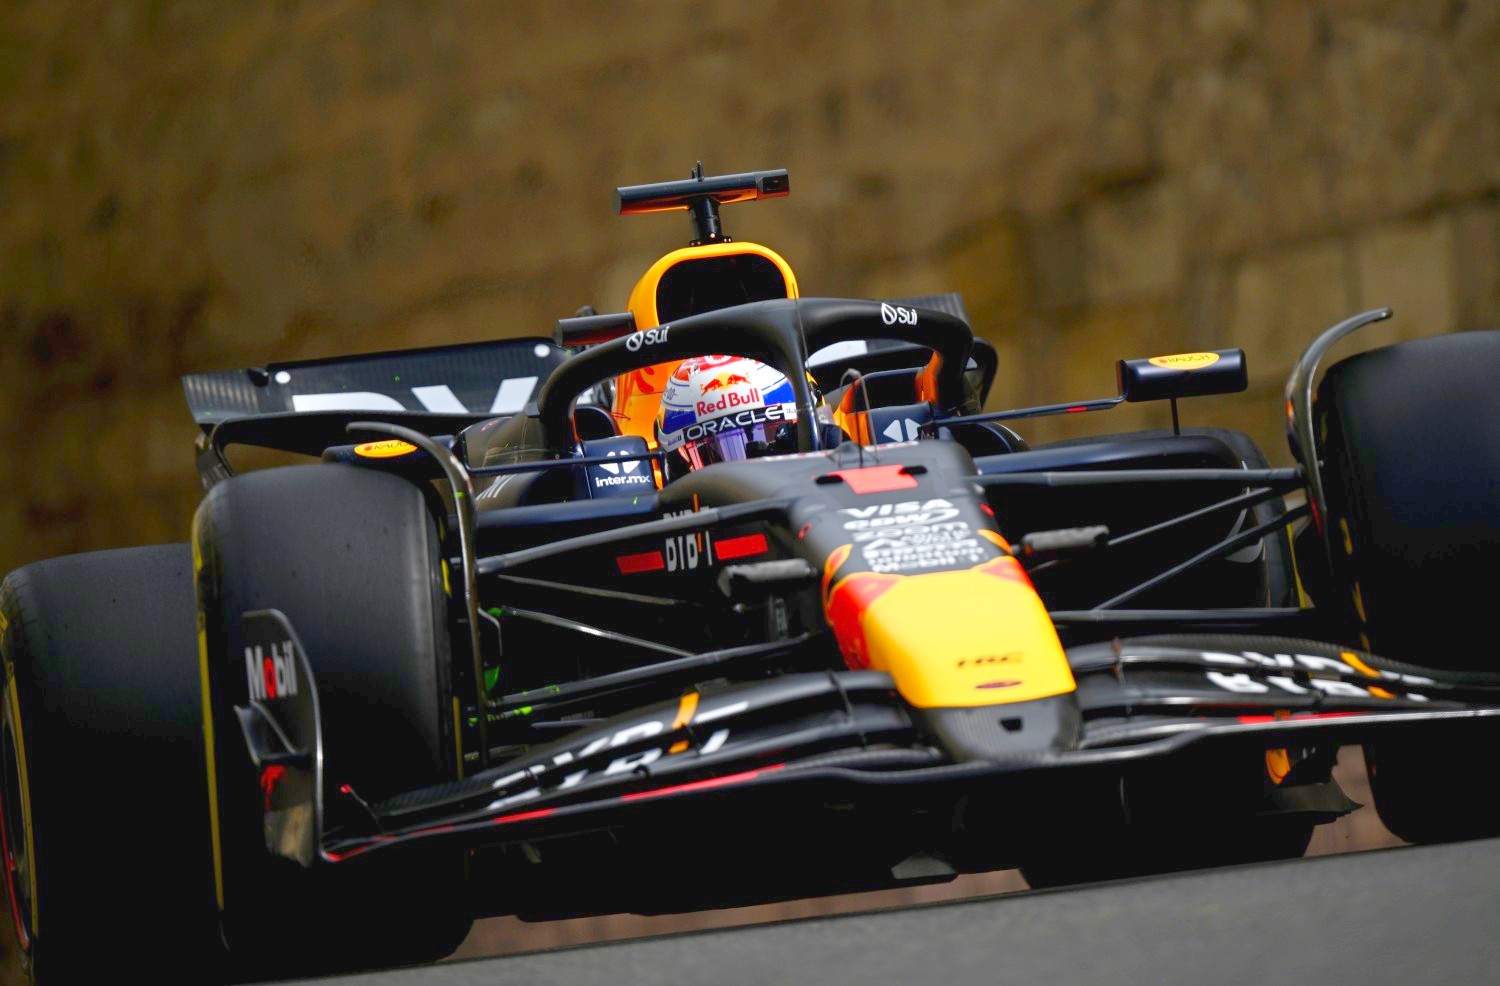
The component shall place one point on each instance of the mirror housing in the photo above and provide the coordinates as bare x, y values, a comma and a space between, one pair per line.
1182, 375
592, 330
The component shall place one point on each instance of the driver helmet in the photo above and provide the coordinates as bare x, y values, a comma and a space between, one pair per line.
724, 409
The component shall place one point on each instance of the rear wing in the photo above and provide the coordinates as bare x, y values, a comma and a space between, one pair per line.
488, 379
304, 407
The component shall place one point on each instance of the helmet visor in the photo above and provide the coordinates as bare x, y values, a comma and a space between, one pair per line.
738, 444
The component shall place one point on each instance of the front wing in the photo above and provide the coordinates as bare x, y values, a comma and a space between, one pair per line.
838, 733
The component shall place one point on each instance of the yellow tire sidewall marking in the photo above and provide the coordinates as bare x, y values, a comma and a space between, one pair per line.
210, 757
458, 742
13, 701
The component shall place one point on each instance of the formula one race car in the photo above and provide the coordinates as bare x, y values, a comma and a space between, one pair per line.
735, 596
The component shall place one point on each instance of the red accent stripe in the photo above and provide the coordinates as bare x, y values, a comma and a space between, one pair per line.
1077, 410
877, 479
270, 777
524, 816
1005, 567
23, 936
527, 816
1256, 720
847, 603
339, 857
741, 547
646, 561
705, 785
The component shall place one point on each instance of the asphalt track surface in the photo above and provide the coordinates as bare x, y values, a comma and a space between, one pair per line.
1413, 915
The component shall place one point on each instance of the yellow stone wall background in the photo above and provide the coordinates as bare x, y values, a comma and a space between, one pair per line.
189, 186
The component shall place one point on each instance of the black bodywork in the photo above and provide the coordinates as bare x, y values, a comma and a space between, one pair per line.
590, 613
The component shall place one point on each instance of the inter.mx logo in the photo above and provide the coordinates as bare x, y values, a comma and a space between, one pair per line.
620, 473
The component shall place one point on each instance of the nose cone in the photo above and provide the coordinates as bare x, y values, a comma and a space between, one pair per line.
956, 639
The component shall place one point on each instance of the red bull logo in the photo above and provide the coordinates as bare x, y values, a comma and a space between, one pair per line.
734, 391
750, 397
725, 380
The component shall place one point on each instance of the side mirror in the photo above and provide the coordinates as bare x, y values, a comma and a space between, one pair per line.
1182, 375
592, 330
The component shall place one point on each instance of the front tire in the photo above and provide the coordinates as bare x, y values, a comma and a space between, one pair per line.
103, 792
351, 558
1411, 469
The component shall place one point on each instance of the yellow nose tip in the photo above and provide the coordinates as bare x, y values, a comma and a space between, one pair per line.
975, 637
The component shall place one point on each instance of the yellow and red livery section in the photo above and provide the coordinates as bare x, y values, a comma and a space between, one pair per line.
638, 393
958, 638
971, 637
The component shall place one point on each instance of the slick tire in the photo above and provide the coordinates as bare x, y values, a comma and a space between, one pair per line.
1410, 440
1411, 469
103, 795
351, 558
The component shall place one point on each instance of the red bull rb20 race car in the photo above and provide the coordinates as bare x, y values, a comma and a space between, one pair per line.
730, 597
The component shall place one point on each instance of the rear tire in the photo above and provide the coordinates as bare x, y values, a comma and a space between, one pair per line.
104, 794
351, 557
1411, 473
